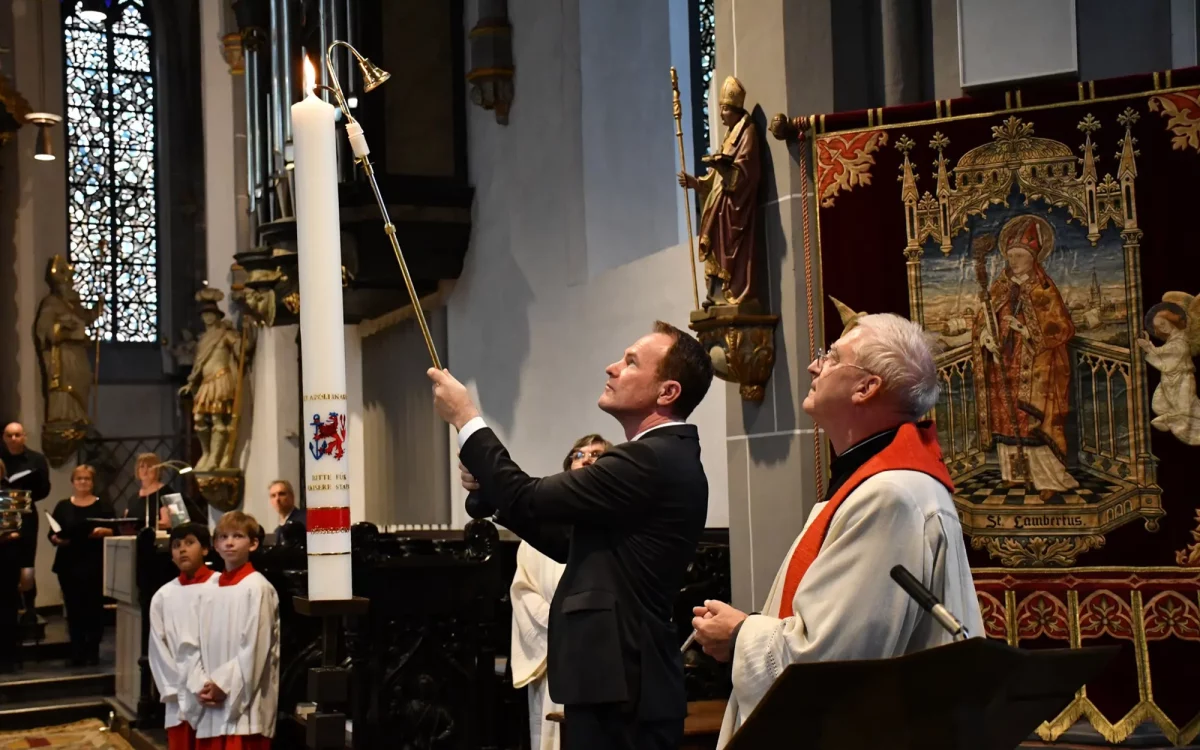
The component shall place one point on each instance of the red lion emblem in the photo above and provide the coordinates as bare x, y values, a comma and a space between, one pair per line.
329, 437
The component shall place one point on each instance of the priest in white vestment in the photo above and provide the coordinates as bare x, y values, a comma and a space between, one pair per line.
531, 593
174, 618
889, 503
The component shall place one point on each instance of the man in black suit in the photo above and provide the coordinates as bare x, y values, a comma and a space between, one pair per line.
626, 527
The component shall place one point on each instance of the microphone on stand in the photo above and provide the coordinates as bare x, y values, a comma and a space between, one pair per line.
928, 602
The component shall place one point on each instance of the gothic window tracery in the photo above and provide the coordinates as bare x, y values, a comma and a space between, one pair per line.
112, 206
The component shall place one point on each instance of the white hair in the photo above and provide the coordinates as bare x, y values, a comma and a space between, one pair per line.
900, 352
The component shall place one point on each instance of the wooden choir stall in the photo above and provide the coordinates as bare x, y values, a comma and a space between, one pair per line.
429, 659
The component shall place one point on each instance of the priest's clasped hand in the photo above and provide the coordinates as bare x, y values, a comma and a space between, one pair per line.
450, 399
715, 624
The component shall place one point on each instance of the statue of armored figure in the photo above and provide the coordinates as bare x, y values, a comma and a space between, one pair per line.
60, 334
213, 383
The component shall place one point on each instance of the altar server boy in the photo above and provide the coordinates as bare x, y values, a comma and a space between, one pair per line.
173, 633
236, 678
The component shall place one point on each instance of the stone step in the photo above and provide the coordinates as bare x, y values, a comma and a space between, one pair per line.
31, 714
94, 685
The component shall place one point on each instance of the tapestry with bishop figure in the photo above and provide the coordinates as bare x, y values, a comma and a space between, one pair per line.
1044, 239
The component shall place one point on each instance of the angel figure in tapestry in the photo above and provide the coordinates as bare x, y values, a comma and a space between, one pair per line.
1176, 322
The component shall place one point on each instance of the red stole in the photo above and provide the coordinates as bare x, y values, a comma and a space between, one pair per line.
915, 448
234, 577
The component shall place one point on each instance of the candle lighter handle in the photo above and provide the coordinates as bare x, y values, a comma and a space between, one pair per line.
358, 141
478, 506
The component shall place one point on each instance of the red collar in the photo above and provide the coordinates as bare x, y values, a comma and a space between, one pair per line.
234, 577
202, 575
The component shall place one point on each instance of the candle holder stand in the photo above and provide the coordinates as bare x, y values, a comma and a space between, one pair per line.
329, 684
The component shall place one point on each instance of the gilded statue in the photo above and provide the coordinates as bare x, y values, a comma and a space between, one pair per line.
213, 382
729, 192
61, 337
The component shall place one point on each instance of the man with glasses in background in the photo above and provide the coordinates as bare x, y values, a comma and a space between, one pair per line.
889, 503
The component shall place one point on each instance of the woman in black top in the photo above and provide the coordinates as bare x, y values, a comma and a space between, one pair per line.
79, 563
148, 498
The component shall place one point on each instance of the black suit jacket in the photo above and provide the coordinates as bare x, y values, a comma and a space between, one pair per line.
627, 528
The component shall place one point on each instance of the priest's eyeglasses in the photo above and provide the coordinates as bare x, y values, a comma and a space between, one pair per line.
823, 356
579, 455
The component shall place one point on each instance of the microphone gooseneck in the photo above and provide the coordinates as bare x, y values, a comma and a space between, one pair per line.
928, 602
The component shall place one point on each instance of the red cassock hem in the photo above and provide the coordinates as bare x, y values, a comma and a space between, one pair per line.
235, 742
181, 737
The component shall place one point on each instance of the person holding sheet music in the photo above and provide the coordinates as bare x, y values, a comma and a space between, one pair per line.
17, 550
149, 496
79, 562
26, 469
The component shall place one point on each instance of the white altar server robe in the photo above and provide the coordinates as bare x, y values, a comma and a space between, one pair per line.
847, 606
531, 593
239, 652
173, 626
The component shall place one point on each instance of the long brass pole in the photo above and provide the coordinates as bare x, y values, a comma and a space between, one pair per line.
361, 155
687, 203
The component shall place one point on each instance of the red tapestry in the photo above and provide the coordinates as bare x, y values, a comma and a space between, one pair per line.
1043, 237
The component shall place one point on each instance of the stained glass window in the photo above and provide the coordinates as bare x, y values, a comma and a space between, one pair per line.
704, 61
112, 206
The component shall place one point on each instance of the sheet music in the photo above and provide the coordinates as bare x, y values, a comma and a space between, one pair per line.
20, 475
53, 524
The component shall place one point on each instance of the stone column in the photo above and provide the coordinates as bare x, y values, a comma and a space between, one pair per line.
944, 23
901, 52
220, 147
781, 51
39, 231
354, 427
235, 57
272, 448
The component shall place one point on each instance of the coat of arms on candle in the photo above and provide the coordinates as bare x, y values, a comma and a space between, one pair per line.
329, 436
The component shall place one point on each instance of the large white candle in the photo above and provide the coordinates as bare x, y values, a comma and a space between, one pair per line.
318, 229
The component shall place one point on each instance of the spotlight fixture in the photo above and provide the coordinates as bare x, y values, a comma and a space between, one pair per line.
44, 121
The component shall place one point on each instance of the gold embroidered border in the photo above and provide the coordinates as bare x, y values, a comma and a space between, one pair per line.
1082, 707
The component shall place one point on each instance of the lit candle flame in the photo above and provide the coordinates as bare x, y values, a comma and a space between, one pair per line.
310, 76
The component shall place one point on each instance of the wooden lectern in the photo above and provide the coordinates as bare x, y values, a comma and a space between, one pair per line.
975, 694
120, 583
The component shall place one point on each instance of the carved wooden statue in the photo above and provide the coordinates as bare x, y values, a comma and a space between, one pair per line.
213, 382
729, 191
60, 333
